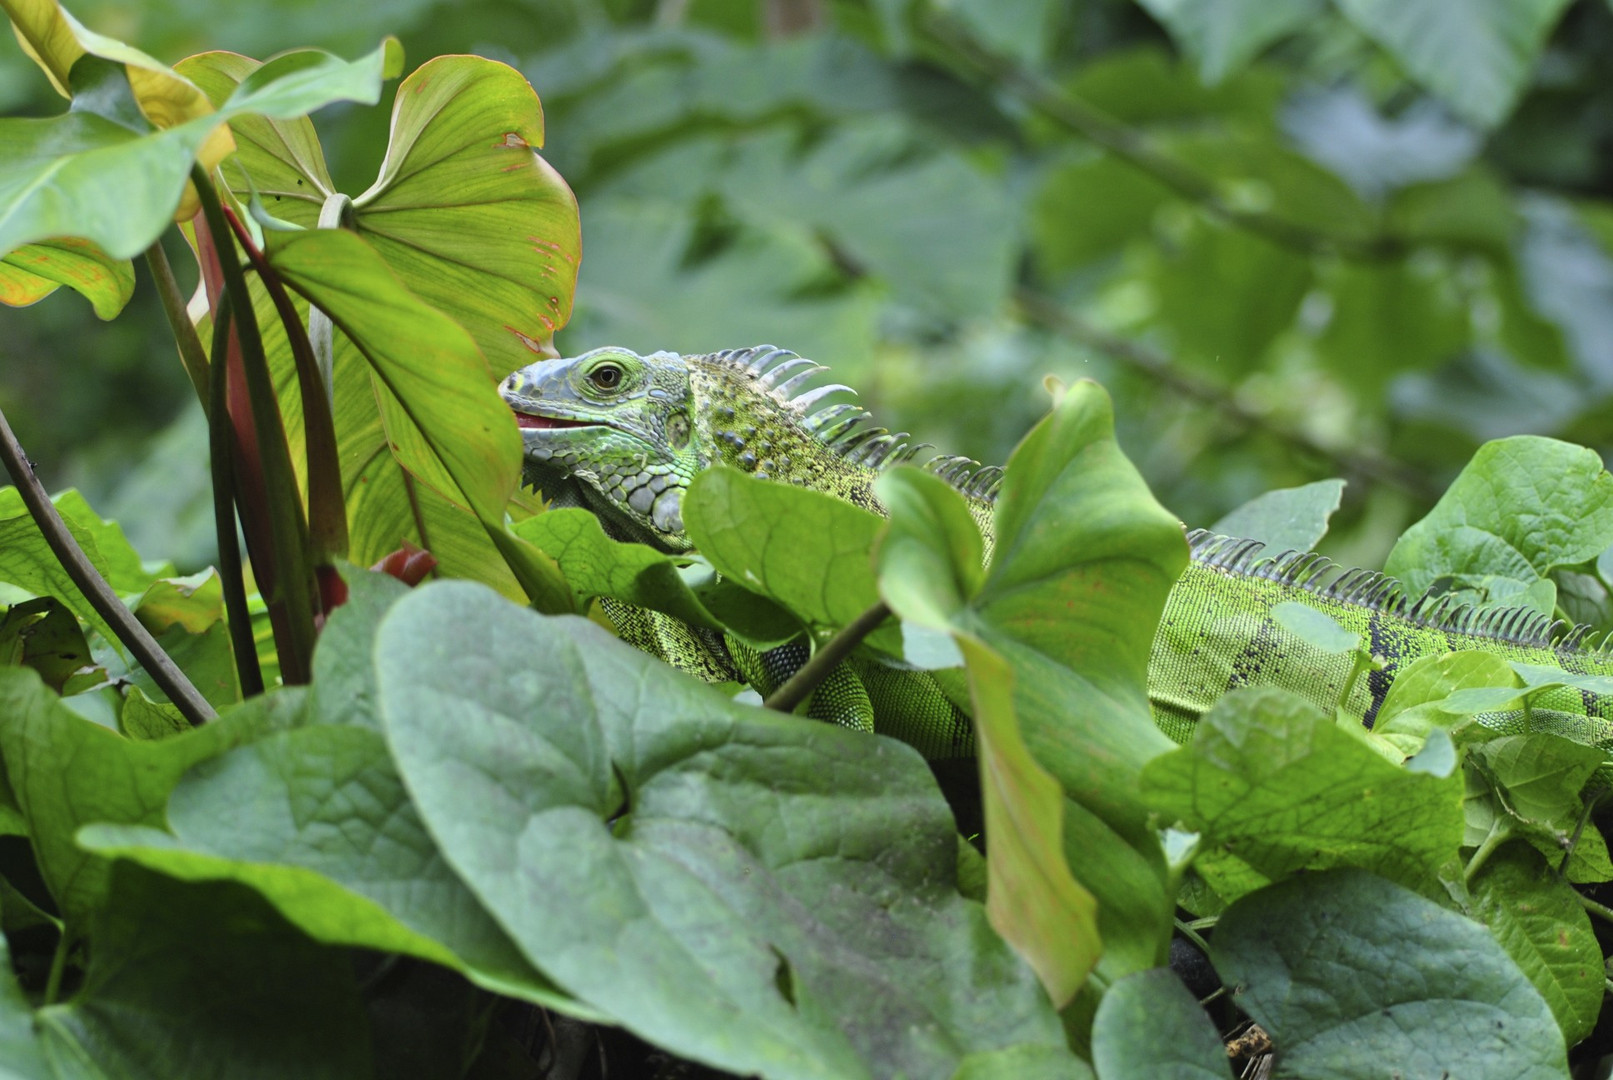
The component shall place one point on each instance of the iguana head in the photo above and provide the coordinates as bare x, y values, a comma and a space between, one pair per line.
622, 426
625, 434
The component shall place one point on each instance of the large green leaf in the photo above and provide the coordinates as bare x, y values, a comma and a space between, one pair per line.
82, 175
1538, 919
67, 772
205, 981
466, 212
442, 416
1476, 56
929, 566
748, 889
282, 157
1223, 37
1288, 519
1148, 1025
596, 565
1521, 508
807, 550
1271, 779
34, 271
264, 814
1348, 973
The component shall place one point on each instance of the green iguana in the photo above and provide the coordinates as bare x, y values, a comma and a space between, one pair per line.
623, 435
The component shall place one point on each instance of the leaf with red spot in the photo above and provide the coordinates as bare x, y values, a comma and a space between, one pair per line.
468, 214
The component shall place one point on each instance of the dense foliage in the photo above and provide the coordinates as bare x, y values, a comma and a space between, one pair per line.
317, 823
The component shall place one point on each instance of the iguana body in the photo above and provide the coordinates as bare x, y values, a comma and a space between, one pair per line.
625, 434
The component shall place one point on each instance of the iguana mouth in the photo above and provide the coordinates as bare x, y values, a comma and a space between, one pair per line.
529, 420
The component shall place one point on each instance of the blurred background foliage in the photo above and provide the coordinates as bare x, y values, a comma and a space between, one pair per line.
1294, 238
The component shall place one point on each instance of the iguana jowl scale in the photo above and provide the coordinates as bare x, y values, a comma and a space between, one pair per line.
624, 435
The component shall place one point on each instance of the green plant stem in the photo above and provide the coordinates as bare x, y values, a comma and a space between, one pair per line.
158, 664
810, 674
1187, 931
1601, 911
222, 467
1053, 103
288, 530
1050, 314
1482, 855
184, 331
58, 968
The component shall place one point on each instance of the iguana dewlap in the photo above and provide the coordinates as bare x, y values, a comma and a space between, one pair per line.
624, 435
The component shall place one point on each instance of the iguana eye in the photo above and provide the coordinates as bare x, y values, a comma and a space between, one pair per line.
606, 376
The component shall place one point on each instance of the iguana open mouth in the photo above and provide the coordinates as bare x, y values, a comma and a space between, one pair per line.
528, 420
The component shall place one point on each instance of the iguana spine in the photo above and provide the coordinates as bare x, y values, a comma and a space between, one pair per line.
625, 434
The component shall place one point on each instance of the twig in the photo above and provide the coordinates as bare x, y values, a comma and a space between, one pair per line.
1046, 312
1601, 911
1130, 145
191, 353
810, 674
163, 671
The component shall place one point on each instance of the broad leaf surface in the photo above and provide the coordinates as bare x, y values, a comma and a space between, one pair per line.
205, 981
719, 879
1223, 37
801, 548
21, 1055
1268, 777
34, 271
1288, 519
67, 771
596, 565
929, 566
1522, 507
1476, 56
444, 420
282, 157
468, 215
1342, 968
1149, 1025
82, 175
265, 815
1537, 918
1314, 627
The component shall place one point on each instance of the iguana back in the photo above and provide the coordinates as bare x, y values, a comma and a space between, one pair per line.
624, 435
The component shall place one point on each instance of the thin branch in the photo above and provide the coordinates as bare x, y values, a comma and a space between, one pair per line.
222, 466
1601, 911
58, 967
1046, 312
1069, 112
163, 671
810, 674
191, 353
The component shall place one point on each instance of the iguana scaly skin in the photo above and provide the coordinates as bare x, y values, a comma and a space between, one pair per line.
624, 435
